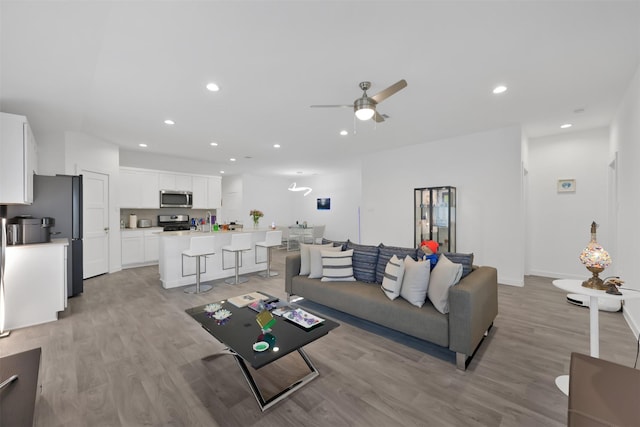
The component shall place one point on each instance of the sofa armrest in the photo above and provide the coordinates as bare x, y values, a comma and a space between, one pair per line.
291, 269
473, 306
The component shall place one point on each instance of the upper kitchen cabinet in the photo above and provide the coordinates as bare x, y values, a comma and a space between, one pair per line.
207, 192
179, 182
18, 160
139, 189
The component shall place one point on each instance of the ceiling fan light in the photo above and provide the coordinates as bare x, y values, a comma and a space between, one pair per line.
365, 113
364, 108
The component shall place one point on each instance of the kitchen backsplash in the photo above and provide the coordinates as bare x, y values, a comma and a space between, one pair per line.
152, 214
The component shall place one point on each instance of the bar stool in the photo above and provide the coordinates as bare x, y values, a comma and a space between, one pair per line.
272, 239
239, 242
201, 246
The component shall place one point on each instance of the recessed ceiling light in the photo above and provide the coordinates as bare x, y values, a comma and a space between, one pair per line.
213, 144
169, 122
221, 171
499, 89
276, 145
344, 132
232, 159
213, 87
566, 125
142, 145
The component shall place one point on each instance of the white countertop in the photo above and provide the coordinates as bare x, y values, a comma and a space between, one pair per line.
155, 228
61, 241
210, 233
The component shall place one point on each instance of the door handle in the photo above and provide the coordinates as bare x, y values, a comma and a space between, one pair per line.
106, 229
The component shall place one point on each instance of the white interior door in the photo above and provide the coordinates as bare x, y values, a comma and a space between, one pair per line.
95, 243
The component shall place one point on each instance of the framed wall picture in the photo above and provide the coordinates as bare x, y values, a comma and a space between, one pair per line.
566, 186
324, 204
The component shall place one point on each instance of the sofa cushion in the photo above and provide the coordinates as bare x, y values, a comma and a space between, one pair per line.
315, 258
305, 258
334, 243
365, 300
465, 259
384, 255
415, 281
337, 266
365, 260
444, 276
392, 280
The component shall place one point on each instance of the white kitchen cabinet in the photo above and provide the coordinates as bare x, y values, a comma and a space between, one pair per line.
35, 295
139, 246
18, 160
132, 246
171, 181
151, 245
207, 192
139, 189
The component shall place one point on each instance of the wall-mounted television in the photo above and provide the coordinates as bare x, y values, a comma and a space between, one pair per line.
324, 204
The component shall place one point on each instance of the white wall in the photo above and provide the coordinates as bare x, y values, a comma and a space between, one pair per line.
145, 160
559, 223
269, 195
344, 190
486, 170
51, 153
90, 153
625, 140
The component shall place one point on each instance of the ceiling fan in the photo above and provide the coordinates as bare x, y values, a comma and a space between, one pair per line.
365, 106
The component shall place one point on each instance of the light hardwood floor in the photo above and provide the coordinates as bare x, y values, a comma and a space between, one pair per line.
125, 354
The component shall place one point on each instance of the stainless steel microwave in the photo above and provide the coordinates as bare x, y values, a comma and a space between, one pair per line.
176, 199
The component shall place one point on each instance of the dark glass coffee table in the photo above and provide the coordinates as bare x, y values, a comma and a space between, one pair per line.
240, 331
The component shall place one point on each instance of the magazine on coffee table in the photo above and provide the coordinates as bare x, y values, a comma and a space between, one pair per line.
302, 318
246, 299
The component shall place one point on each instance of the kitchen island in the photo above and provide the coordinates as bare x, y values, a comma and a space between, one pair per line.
176, 270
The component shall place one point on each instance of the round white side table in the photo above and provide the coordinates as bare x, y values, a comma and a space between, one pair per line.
575, 287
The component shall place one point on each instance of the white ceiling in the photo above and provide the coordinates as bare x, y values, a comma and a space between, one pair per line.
118, 69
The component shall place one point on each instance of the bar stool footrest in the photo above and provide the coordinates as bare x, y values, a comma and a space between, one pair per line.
193, 289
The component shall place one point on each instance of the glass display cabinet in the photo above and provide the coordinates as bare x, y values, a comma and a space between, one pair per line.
435, 216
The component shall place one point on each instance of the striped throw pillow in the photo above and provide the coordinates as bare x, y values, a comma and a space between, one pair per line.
392, 280
337, 266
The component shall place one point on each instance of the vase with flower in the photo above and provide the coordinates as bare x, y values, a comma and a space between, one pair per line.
256, 215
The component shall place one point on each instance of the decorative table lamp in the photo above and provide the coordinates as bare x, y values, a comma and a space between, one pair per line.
596, 259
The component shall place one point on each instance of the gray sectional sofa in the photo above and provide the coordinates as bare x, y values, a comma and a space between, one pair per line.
473, 302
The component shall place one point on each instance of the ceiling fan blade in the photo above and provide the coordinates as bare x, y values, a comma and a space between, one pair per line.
384, 94
331, 106
378, 117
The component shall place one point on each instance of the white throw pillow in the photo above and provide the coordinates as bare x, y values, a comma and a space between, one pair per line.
444, 275
305, 258
415, 281
392, 279
337, 266
315, 258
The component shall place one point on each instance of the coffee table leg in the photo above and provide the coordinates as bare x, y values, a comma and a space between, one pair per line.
222, 352
266, 404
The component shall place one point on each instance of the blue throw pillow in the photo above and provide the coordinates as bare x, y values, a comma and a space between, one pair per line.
386, 252
365, 261
465, 259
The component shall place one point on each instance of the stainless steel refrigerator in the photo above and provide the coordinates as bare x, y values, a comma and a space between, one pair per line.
60, 197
